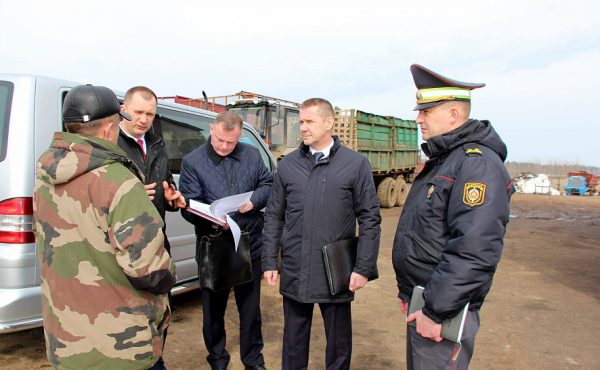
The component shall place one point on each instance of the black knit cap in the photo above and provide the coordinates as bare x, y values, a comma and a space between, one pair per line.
85, 103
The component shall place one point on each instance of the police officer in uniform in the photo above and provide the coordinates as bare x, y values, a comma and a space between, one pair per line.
450, 234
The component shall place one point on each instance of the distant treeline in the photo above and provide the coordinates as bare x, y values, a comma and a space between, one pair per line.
551, 170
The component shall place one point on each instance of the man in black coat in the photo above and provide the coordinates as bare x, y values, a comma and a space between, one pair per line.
450, 234
147, 151
221, 168
319, 192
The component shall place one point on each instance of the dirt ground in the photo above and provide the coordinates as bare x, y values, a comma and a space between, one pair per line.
542, 313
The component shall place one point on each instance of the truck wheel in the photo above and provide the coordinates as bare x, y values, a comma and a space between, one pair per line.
386, 193
401, 191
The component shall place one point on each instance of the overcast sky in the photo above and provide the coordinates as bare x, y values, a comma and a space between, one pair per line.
539, 59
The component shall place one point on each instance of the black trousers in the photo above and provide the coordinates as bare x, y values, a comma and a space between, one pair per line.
214, 304
337, 319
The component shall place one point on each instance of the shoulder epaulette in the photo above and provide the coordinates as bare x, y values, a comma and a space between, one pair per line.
472, 151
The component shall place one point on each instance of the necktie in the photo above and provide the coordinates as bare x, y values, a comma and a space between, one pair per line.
141, 144
318, 156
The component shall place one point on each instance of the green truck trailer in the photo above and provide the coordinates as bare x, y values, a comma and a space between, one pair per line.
389, 143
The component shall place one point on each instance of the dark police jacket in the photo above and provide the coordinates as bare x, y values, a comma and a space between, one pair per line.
155, 169
206, 177
450, 234
312, 205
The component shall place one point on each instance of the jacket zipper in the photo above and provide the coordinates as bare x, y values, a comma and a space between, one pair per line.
323, 189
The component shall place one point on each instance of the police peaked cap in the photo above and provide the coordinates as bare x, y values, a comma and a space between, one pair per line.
435, 89
85, 103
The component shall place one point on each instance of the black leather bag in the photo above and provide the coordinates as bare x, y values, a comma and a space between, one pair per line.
219, 265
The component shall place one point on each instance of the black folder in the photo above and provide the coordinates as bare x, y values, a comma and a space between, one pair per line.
339, 258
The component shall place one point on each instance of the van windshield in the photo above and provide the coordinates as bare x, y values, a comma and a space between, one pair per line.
6, 92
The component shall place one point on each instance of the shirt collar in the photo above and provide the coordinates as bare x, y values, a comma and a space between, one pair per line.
325, 150
143, 138
133, 137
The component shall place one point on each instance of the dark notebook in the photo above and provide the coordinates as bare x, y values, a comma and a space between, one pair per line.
339, 258
452, 328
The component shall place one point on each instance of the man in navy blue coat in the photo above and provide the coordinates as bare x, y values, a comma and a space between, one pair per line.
220, 168
450, 234
320, 191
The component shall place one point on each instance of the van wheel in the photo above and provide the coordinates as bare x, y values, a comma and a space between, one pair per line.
386, 193
401, 191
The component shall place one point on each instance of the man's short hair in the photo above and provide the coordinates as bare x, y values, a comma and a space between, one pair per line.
90, 128
146, 93
464, 106
229, 120
325, 106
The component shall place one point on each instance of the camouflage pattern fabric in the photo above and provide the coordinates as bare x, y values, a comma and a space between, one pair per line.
104, 270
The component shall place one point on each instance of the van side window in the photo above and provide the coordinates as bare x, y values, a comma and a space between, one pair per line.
6, 92
181, 133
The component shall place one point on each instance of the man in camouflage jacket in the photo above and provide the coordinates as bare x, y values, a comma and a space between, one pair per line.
104, 271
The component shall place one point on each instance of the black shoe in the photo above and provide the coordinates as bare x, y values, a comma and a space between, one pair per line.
256, 367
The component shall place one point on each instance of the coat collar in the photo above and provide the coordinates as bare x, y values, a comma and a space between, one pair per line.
216, 158
472, 131
305, 149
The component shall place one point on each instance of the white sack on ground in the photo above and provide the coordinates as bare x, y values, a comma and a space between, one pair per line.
530, 183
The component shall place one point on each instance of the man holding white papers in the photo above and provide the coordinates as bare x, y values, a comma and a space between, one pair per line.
450, 234
221, 168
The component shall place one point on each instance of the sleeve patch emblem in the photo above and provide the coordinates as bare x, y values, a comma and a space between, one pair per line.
474, 194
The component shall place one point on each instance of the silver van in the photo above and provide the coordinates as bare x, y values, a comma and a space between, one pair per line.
30, 111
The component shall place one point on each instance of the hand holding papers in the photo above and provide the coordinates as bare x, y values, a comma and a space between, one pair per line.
217, 211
